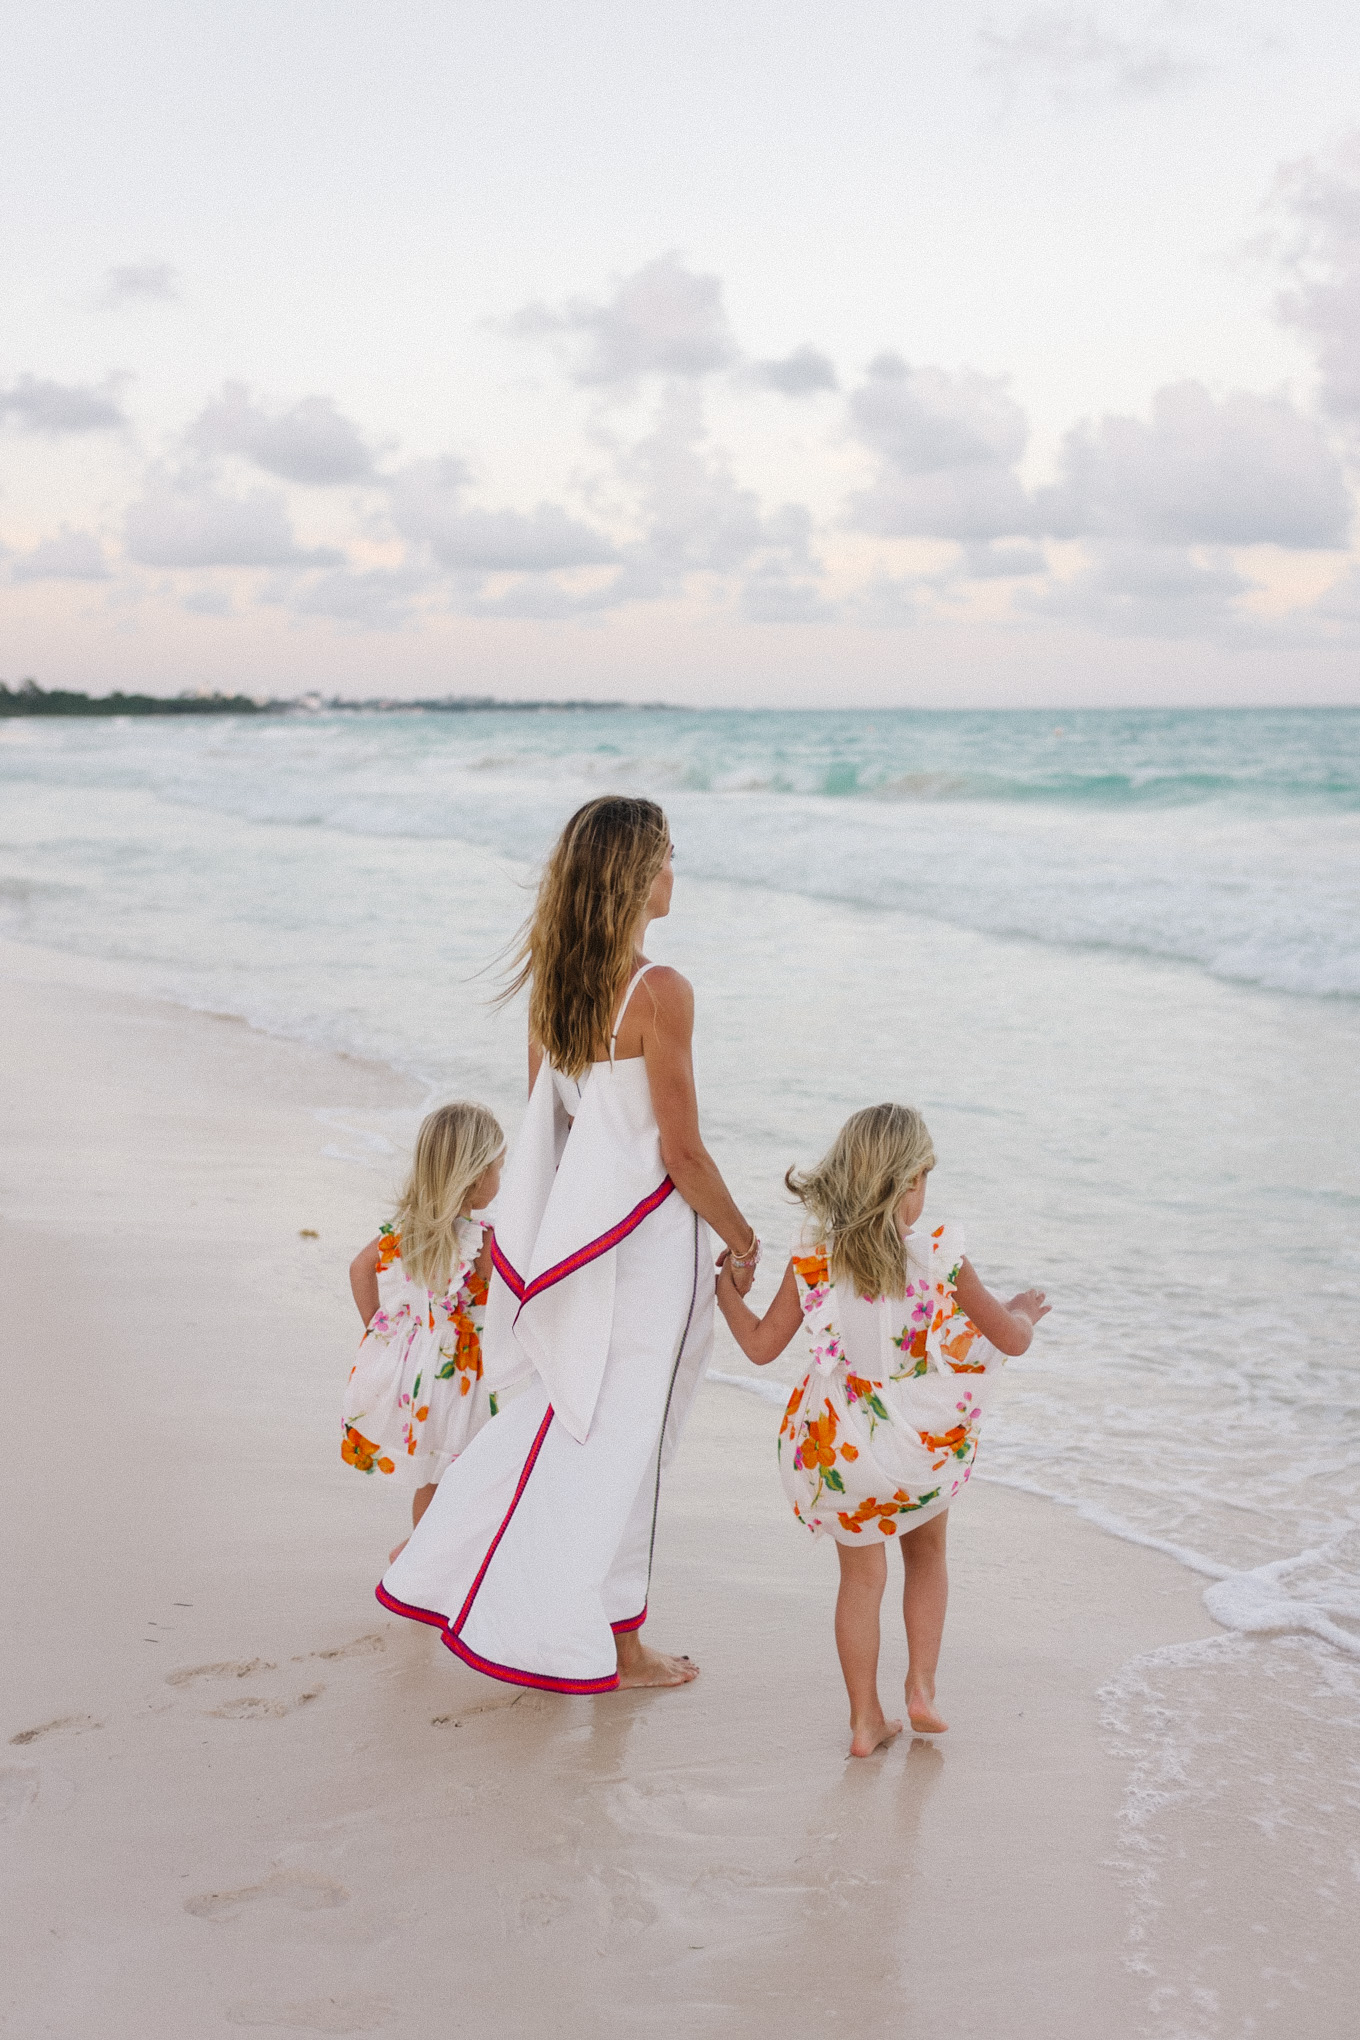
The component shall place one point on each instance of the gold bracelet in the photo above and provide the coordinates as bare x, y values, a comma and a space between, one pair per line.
750, 1259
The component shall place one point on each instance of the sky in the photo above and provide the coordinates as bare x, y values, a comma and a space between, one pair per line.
777, 354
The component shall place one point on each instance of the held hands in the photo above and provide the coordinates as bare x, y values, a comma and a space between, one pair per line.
732, 1271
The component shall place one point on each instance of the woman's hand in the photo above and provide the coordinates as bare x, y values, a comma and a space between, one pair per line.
742, 1279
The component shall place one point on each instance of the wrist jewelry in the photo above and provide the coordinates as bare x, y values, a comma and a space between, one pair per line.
752, 1255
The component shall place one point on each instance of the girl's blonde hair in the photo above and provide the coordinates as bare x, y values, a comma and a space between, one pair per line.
853, 1192
576, 950
455, 1145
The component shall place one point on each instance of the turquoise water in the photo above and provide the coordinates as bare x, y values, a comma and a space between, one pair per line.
1115, 956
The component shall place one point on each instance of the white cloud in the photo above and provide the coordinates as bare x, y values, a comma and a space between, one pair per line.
428, 509
1130, 589
946, 446
773, 595
1317, 202
375, 599
663, 320
189, 524
311, 442
70, 556
139, 283
1243, 470
798, 374
34, 404
1070, 50
991, 561
696, 517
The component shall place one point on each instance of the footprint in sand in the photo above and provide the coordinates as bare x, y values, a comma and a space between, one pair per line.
298, 1890
541, 1909
68, 1724
362, 1646
317, 2015
242, 1669
250, 1708
18, 1789
497, 1706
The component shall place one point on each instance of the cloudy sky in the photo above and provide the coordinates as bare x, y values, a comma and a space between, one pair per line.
735, 351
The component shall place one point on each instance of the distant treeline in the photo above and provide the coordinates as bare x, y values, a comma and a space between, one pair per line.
30, 699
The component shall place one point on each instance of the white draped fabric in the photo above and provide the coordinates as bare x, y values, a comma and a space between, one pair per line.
537, 1546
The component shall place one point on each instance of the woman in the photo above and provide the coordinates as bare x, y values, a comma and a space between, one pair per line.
535, 1554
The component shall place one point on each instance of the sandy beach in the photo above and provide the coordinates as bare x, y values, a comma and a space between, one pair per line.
235, 1794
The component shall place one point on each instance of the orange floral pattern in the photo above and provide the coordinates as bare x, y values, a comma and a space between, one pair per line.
882, 1437
362, 1454
417, 1385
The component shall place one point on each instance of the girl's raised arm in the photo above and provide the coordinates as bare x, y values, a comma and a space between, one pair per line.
761, 1339
363, 1278
1009, 1326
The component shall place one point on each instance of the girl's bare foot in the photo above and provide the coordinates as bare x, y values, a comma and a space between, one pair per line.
923, 1714
397, 1550
639, 1666
871, 1735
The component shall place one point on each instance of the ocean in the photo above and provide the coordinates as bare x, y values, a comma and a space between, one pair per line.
1114, 956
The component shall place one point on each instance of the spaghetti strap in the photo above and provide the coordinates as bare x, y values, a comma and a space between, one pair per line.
634, 981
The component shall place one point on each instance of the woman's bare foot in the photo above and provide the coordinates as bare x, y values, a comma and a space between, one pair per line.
923, 1714
397, 1550
871, 1735
639, 1666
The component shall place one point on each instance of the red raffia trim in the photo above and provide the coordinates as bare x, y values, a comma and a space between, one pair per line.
633, 1622
523, 1483
511, 1277
511, 1675
526, 1291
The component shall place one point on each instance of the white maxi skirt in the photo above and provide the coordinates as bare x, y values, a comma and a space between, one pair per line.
536, 1549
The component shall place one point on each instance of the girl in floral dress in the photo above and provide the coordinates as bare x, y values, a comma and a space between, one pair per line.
415, 1394
881, 1433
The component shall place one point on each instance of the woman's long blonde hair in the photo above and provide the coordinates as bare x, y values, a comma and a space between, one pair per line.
456, 1144
576, 950
853, 1192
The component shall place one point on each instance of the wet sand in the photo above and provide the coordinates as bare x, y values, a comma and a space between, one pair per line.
235, 1794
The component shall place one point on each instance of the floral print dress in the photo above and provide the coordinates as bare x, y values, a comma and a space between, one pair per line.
415, 1395
881, 1433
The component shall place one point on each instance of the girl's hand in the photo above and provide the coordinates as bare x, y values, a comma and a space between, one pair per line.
1030, 1303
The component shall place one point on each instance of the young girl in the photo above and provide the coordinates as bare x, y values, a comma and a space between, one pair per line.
881, 1433
415, 1395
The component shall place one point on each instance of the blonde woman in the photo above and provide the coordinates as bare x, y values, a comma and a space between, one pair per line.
881, 1433
415, 1394
535, 1556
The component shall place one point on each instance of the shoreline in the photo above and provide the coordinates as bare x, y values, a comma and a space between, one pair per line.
238, 1794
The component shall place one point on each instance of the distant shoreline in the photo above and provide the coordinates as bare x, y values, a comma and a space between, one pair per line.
30, 699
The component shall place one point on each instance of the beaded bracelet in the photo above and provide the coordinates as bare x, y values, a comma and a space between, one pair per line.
750, 1259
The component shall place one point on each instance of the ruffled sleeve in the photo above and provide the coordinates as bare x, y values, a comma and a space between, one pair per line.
813, 1277
944, 1337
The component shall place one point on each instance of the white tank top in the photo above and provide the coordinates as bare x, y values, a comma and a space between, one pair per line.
584, 1170
571, 1089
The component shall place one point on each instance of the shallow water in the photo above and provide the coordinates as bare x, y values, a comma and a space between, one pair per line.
1115, 957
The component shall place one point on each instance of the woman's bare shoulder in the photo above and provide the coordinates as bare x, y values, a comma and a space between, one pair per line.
672, 996
665, 982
